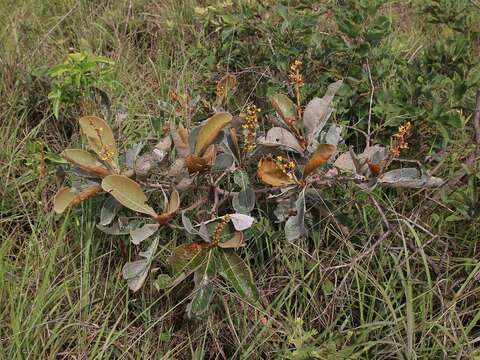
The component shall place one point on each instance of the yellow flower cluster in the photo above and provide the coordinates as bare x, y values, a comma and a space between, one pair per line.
107, 150
398, 141
106, 153
219, 228
287, 166
295, 75
250, 126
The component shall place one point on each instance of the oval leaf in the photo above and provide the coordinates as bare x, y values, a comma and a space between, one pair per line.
238, 274
408, 178
135, 272
234, 243
210, 131
85, 160
278, 136
100, 139
241, 221
63, 199
319, 158
203, 292
284, 107
186, 258
142, 233
128, 193
171, 208
295, 225
109, 210
270, 174
318, 111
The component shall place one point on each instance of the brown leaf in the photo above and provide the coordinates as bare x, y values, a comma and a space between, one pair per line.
100, 139
170, 210
195, 163
180, 140
225, 87
234, 138
210, 130
269, 173
183, 133
375, 168
85, 161
319, 158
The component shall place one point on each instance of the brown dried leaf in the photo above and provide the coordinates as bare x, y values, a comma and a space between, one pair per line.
170, 210
180, 140
195, 163
375, 168
269, 173
319, 158
225, 87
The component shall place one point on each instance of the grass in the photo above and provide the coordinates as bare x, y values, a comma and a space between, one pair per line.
413, 295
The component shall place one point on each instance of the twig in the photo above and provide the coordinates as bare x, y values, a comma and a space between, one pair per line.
358, 166
476, 119
372, 90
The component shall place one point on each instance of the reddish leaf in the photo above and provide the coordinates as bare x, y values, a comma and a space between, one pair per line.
319, 158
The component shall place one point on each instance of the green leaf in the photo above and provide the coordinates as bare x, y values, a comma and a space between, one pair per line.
128, 193
110, 209
244, 201
135, 272
203, 291
187, 257
284, 107
184, 260
295, 225
223, 162
238, 274
188, 226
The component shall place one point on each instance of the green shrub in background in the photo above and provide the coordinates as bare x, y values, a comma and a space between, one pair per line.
80, 77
